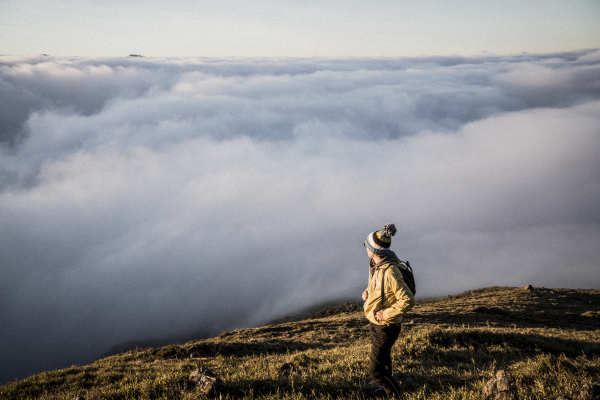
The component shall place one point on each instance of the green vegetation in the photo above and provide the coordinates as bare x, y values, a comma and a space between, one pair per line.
547, 341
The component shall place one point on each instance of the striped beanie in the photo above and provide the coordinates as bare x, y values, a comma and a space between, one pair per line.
379, 242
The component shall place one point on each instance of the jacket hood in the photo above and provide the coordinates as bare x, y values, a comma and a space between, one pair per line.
390, 257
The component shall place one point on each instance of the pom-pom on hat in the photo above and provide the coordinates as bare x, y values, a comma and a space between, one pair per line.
379, 242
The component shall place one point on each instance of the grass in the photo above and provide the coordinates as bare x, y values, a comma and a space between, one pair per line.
547, 340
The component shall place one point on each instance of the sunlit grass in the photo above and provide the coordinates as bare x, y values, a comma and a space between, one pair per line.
548, 342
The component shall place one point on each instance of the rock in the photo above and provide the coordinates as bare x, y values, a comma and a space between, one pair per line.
207, 382
589, 392
498, 388
528, 287
287, 369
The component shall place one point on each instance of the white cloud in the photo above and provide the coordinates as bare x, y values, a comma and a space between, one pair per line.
168, 196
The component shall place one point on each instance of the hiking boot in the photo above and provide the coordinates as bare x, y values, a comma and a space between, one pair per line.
371, 385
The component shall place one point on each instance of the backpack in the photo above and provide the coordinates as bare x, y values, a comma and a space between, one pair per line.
409, 277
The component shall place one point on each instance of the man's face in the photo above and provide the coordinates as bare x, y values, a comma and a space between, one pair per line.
370, 254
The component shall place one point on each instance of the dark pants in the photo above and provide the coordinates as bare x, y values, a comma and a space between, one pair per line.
380, 361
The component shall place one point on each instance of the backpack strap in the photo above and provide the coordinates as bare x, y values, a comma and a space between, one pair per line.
390, 265
382, 287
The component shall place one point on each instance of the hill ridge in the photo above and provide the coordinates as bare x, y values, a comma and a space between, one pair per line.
548, 341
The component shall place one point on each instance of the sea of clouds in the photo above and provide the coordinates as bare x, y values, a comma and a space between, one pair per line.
145, 198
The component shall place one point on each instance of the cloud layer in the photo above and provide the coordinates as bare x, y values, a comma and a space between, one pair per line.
150, 198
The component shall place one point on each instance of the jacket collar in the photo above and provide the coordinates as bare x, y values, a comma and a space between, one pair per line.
389, 258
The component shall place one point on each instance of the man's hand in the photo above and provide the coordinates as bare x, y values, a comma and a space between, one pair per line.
379, 315
365, 295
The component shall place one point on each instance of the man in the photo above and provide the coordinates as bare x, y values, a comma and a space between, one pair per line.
385, 314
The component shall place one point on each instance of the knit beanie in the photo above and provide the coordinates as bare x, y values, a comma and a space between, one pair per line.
379, 242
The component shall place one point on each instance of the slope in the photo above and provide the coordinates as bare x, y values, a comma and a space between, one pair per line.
547, 340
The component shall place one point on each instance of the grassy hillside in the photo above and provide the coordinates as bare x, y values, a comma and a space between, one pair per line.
547, 340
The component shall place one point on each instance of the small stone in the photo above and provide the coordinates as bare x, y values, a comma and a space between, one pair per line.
502, 382
207, 382
498, 388
528, 287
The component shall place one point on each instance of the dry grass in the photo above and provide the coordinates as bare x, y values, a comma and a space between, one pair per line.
548, 341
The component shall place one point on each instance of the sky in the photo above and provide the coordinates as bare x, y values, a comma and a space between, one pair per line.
231, 175
294, 28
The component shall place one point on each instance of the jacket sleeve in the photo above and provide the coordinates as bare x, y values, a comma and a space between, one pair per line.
399, 295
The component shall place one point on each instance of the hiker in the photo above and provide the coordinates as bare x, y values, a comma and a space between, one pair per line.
385, 316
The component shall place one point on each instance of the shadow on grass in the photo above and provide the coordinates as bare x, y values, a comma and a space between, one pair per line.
294, 387
237, 349
448, 344
482, 316
551, 308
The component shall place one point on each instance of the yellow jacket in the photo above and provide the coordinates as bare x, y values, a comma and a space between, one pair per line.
398, 299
